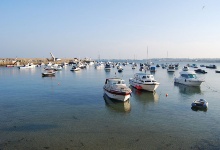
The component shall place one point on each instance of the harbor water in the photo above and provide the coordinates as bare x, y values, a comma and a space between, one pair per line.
69, 111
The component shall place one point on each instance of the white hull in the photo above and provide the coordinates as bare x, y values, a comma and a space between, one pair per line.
148, 87
120, 97
27, 67
189, 82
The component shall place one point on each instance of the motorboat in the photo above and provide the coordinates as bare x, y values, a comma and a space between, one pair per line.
200, 71
171, 68
157, 65
217, 71
107, 67
143, 81
211, 66
29, 65
58, 68
116, 88
48, 73
120, 69
75, 68
99, 65
133, 67
201, 104
188, 78
176, 66
153, 69
185, 68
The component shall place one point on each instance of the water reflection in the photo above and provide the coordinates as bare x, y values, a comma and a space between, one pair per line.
144, 96
117, 105
171, 74
189, 90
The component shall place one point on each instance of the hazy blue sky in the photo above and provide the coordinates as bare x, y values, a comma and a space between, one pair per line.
110, 28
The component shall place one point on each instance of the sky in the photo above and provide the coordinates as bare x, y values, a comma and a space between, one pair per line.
111, 29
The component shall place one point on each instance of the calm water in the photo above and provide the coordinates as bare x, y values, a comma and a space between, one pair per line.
69, 112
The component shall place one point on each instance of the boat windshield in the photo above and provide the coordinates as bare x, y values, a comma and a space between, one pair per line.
188, 75
191, 76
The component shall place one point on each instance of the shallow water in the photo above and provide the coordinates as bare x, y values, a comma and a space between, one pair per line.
68, 111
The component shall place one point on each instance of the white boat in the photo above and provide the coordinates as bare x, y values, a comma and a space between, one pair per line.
29, 65
143, 81
99, 65
48, 73
185, 68
120, 69
116, 88
171, 68
75, 68
133, 67
203, 104
188, 78
107, 67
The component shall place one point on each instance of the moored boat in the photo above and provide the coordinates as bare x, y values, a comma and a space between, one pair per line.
188, 78
201, 104
211, 66
107, 67
48, 73
143, 81
200, 71
75, 68
116, 88
171, 68
29, 65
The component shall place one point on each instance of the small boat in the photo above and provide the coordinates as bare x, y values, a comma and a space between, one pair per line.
116, 88
217, 71
29, 65
201, 104
211, 67
120, 69
153, 69
143, 81
200, 71
194, 66
171, 68
133, 67
176, 66
107, 67
188, 78
99, 65
48, 73
75, 68
185, 68
157, 65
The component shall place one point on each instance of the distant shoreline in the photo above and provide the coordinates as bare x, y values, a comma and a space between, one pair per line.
23, 61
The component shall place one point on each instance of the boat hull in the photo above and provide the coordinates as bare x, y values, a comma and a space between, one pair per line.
47, 75
147, 87
121, 96
188, 82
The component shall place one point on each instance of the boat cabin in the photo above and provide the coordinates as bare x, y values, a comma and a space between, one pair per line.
144, 77
113, 81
